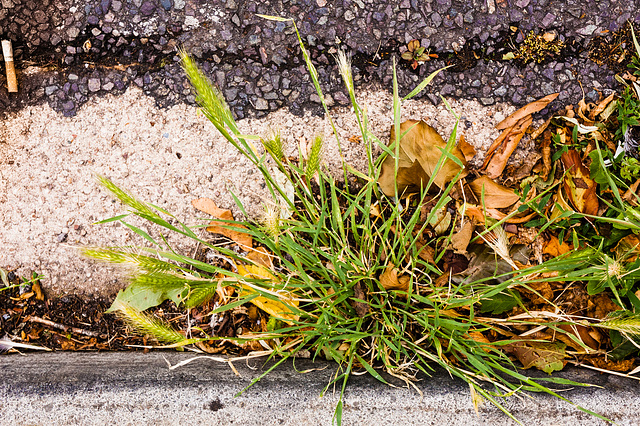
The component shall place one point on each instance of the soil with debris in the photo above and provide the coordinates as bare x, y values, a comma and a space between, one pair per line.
75, 323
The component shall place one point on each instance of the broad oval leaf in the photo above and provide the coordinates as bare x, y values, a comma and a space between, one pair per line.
419, 155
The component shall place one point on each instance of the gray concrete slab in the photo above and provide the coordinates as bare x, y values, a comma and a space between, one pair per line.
136, 388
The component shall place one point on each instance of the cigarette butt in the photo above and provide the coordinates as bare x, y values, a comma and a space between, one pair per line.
7, 52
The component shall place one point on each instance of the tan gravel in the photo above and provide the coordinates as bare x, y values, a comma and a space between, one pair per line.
166, 157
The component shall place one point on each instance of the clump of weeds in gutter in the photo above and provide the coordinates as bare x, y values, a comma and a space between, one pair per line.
416, 264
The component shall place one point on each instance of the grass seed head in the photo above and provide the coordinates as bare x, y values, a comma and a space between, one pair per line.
271, 219
274, 145
344, 66
615, 269
315, 155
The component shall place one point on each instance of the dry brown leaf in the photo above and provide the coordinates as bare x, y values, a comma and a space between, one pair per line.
476, 213
208, 206
583, 333
526, 110
545, 148
485, 343
583, 111
603, 306
419, 152
460, 240
578, 185
208, 348
467, 149
261, 256
602, 106
608, 364
495, 195
425, 252
390, 281
555, 248
497, 161
538, 293
513, 174
631, 195
362, 308
537, 132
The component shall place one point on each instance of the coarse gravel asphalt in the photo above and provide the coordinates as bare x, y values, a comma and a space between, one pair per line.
70, 50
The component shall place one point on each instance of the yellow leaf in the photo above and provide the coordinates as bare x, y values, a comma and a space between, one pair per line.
578, 185
208, 206
281, 309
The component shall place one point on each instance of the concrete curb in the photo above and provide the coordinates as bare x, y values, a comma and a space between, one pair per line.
135, 388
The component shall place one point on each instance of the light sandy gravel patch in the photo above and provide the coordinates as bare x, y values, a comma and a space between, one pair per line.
49, 197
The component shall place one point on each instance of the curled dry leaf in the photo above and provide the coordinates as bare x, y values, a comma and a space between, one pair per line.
460, 240
526, 110
390, 281
500, 151
361, 307
556, 248
545, 148
495, 195
578, 185
418, 155
602, 106
514, 127
468, 150
208, 206
631, 195
584, 334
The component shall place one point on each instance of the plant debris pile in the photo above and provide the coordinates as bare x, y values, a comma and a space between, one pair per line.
70, 323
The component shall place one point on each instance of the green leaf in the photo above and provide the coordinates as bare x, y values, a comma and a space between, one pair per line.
545, 356
422, 85
407, 56
111, 219
139, 299
499, 303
